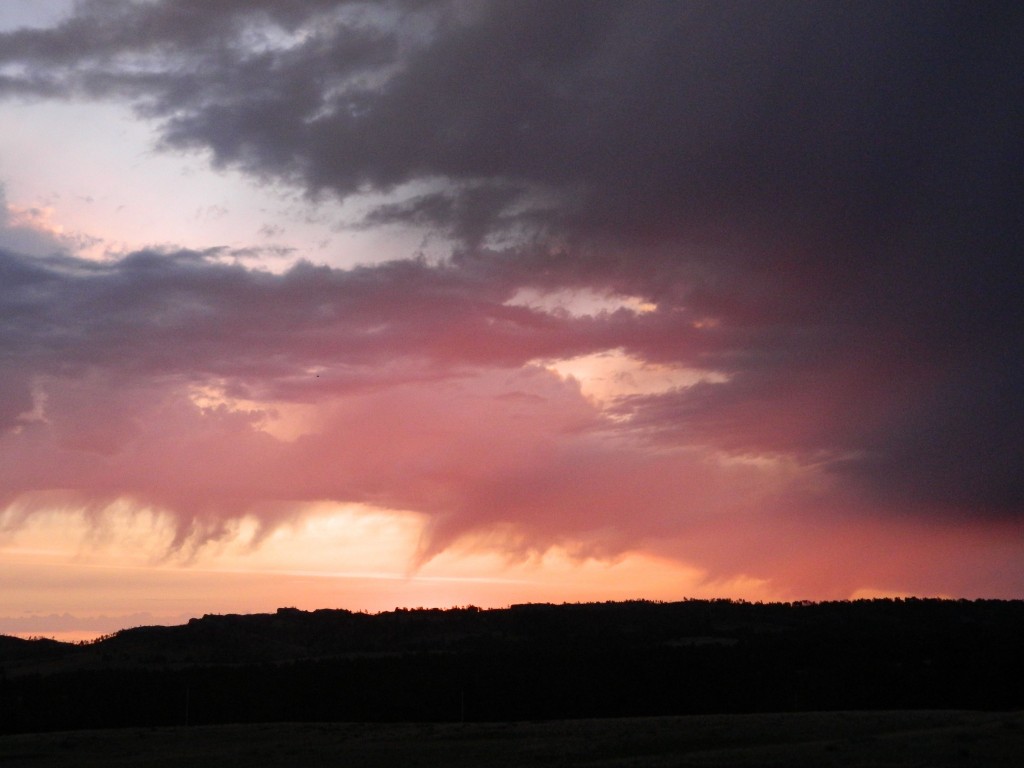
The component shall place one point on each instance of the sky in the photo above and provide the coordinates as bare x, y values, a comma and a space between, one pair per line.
357, 305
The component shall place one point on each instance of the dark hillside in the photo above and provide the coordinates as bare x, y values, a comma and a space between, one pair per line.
14, 650
525, 662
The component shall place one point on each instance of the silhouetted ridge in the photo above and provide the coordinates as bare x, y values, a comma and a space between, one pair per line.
525, 662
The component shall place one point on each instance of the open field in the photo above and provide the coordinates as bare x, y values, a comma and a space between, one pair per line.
888, 739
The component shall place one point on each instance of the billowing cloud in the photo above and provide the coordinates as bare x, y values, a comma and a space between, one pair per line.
807, 214
133, 373
27, 231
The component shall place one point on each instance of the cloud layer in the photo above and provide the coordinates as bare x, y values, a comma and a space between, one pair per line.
816, 205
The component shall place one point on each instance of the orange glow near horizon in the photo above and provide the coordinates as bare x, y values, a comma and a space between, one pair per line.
81, 576
352, 557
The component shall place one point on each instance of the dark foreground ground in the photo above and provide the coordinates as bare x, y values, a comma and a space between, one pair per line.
529, 663
892, 739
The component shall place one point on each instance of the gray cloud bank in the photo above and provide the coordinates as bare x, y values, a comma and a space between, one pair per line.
822, 199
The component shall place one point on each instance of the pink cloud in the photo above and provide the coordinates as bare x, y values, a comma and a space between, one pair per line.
420, 394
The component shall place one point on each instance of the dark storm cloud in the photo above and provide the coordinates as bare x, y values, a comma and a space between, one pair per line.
822, 198
185, 314
418, 376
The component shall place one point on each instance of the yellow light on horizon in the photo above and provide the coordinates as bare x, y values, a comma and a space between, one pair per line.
332, 556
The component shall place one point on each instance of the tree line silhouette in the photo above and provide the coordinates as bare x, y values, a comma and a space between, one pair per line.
532, 661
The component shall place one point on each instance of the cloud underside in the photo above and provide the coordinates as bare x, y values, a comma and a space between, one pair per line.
815, 209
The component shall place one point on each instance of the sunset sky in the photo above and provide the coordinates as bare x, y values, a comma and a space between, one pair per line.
364, 305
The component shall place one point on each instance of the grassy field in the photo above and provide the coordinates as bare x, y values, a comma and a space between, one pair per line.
812, 739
